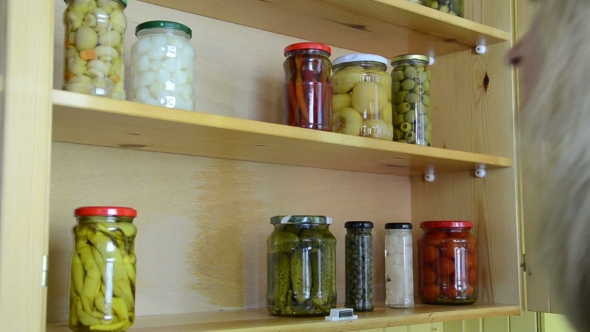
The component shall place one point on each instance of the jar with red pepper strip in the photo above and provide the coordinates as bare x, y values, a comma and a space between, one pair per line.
447, 257
307, 96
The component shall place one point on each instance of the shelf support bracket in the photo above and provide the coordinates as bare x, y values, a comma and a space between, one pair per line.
480, 172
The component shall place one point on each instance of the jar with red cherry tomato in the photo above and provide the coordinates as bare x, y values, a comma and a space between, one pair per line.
447, 257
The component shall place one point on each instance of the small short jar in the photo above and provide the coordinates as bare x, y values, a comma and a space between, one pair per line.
361, 100
453, 7
412, 113
447, 256
301, 266
163, 65
399, 269
358, 248
102, 283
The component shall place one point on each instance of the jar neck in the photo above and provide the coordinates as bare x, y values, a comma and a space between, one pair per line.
308, 52
455, 229
359, 230
409, 231
162, 31
369, 65
95, 219
413, 62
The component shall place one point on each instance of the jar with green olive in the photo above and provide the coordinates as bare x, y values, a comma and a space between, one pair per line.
412, 110
301, 266
453, 7
358, 249
94, 47
361, 99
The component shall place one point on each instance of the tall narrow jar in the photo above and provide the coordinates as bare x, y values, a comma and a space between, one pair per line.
94, 47
398, 265
102, 284
359, 265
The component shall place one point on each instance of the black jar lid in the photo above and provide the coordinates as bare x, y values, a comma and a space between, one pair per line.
358, 224
394, 225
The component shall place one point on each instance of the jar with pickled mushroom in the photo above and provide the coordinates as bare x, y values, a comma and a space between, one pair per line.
412, 109
453, 7
361, 99
447, 256
94, 47
307, 89
358, 248
163, 65
301, 266
102, 284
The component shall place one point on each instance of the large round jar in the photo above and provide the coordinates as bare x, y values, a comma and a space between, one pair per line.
447, 256
301, 266
453, 7
399, 268
307, 89
163, 65
411, 97
94, 47
361, 100
358, 247
102, 284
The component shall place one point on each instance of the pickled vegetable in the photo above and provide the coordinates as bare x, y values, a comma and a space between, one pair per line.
411, 100
301, 270
102, 289
359, 266
94, 45
453, 7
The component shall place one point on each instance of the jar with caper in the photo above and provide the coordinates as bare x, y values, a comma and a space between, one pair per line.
359, 265
453, 7
412, 112
301, 266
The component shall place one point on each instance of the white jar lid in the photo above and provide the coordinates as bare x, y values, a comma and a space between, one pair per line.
358, 58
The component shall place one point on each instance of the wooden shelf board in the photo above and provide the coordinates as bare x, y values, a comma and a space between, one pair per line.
258, 320
385, 27
106, 122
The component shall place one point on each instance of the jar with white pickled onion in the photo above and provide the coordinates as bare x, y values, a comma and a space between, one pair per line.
163, 65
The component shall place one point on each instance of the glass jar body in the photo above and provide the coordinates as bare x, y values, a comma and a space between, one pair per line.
359, 269
453, 7
103, 278
163, 69
447, 266
399, 269
411, 98
301, 270
94, 48
361, 100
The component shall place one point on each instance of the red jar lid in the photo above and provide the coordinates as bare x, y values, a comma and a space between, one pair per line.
446, 224
308, 46
105, 211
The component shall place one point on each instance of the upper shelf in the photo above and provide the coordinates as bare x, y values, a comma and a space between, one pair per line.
84, 119
385, 27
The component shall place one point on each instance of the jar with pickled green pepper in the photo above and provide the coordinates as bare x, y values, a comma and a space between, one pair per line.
453, 7
301, 266
361, 100
103, 279
358, 247
412, 113
94, 47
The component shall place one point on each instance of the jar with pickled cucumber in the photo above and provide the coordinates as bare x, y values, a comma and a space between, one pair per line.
447, 257
412, 109
94, 47
453, 7
361, 99
102, 283
307, 89
358, 247
301, 266
163, 65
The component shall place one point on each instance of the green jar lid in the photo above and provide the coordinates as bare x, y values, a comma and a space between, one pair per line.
301, 219
165, 25
407, 57
124, 2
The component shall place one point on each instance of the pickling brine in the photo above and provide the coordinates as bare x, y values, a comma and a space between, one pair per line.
94, 47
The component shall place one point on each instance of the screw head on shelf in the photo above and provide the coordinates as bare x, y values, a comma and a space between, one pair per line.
429, 177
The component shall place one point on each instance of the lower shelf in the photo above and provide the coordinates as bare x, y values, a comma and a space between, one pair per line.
258, 320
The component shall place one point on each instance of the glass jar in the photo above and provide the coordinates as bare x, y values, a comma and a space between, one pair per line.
307, 90
361, 100
301, 266
102, 284
163, 65
94, 47
416, 1
447, 254
399, 267
453, 7
358, 249
411, 97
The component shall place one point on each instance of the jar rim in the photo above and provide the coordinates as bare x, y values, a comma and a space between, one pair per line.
164, 25
359, 57
124, 2
400, 225
406, 57
301, 219
105, 211
307, 46
358, 224
447, 224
